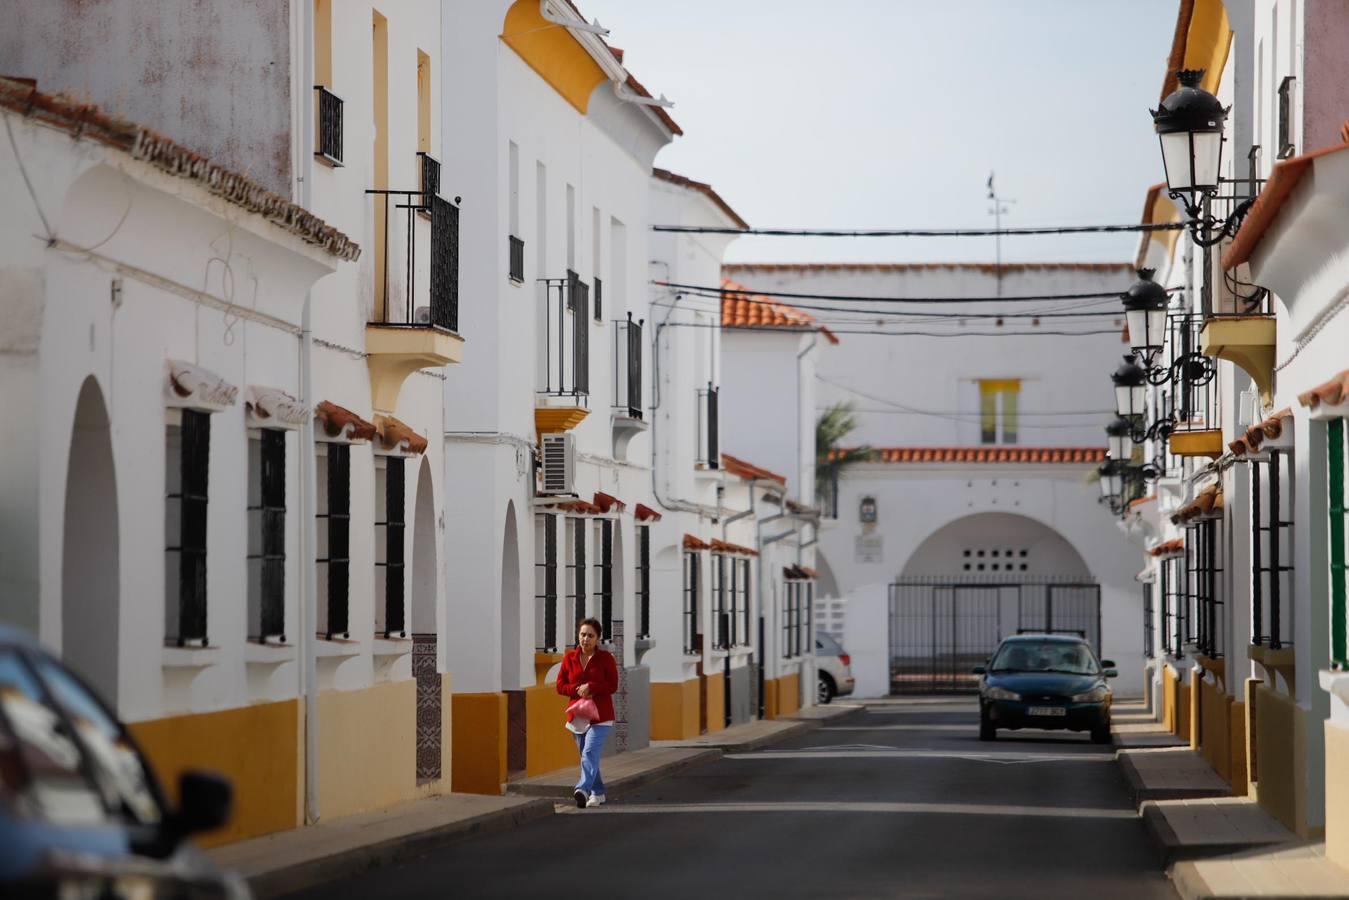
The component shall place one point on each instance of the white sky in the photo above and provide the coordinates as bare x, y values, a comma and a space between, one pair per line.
891, 113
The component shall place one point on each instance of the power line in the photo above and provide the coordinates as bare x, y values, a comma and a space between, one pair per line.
779, 329
855, 298
918, 232
1112, 313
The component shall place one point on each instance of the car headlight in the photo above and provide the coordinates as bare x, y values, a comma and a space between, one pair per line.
997, 693
1095, 695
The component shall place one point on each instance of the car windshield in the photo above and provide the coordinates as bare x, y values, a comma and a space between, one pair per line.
1045, 656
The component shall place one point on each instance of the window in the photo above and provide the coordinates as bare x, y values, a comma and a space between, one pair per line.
423, 102
1286, 117
643, 581
571, 227
576, 575
740, 634
515, 244
1148, 645
998, 407
1271, 521
188, 450
692, 563
267, 536
722, 623
709, 421
545, 582
604, 574
333, 562
327, 105
791, 618
807, 615
596, 262
1204, 618
1173, 610
1335, 445
390, 547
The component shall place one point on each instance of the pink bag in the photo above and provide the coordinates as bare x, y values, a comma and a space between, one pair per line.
584, 708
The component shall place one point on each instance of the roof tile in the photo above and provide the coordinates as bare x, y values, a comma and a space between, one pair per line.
1033, 455
741, 309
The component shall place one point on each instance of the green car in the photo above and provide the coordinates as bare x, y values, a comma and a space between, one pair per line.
1045, 681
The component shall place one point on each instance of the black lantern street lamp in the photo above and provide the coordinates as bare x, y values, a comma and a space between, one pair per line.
1111, 473
1119, 438
1145, 305
1189, 125
1130, 381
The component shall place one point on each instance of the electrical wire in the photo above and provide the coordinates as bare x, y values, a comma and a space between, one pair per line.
779, 329
1115, 313
919, 232
855, 298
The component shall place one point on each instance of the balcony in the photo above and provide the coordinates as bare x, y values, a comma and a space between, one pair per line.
415, 322
328, 127
1241, 330
564, 388
1197, 428
708, 452
628, 416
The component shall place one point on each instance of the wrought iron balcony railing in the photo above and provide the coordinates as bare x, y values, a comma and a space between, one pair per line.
628, 367
430, 173
517, 259
428, 295
566, 337
328, 126
1194, 389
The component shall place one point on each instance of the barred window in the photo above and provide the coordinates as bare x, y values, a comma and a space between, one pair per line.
390, 546
576, 576
1272, 529
266, 553
545, 582
604, 574
643, 581
1335, 446
333, 560
692, 563
720, 590
186, 471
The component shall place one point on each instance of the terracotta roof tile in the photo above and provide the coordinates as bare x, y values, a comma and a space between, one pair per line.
799, 572
580, 507
693, 542
1168, 548
702, 188
990, 454
1286, 176
741, 309
1271, 429
336, 420
607, 502
1332, 392
394, 434
84, 121
986, 268
1207, 502
748, 470
644, 513
726, 547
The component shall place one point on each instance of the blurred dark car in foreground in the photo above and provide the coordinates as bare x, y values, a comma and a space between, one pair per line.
81, 814
1045, 681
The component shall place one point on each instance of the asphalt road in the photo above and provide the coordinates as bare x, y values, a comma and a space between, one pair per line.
901, 800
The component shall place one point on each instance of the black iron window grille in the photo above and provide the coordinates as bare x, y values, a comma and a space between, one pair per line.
516, 248
576, 575
545, 585
644, 581
1149, 646
807, 617
334, 556
429, 167
328, 127
1173, 599
598, 299
1286, 117
708, 451
566, 337
692, 564
1194, 390
437, 305
628, 366
740, 631
390, 553
1271, 523
604, 575
187, 468
791, 618
1204, 620
720, 589
267, 537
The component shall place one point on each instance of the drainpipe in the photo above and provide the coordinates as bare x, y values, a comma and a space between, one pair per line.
308, 483
814, 339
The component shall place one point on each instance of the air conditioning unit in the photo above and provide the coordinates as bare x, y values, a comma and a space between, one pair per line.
559, 463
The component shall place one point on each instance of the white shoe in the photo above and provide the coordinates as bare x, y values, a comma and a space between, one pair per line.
594, 801
603, 800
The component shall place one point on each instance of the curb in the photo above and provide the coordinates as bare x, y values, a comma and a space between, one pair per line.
357, 860
620, 787
1141, 793
1173, 851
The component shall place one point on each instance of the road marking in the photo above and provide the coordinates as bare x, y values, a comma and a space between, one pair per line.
968, 729
843, 806
849, 751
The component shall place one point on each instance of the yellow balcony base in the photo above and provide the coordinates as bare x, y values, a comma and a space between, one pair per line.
1247, 341
1197, 443
396, 351
558, 418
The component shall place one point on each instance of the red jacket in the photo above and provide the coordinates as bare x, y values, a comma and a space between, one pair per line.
601, 674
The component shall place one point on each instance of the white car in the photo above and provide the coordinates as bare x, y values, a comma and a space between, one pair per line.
835, 668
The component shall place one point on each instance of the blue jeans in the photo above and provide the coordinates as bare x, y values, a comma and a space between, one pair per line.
590, 744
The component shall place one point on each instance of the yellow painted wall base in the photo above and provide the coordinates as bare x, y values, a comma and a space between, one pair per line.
674, 710
1337, 793
479, 743
770, 698
1236, 735
1193, 689
1278, 736
257, 747
789, 694
716, 702
367, 748
548, 744
1183, 711
1169, 701
1215, 721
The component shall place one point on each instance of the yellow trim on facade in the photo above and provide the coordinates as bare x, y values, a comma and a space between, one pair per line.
674, 710
394, 353
1337, 792
548, 419
1248, 342
1169, 699
257, 747
1208, 41
1215, 720
1197, 443
789, 694
367, 748
716, 702
1236, 733
1281, 729
479, 743
548, 744
553, 52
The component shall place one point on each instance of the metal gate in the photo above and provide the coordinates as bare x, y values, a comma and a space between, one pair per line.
941, 627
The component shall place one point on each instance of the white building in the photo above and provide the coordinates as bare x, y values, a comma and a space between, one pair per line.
985, 442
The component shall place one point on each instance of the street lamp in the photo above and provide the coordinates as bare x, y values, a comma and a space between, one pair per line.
1119, 438
1112, 480
1130, 381
1145, 305
1189, 124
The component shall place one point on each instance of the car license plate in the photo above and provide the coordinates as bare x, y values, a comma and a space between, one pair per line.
1047, 711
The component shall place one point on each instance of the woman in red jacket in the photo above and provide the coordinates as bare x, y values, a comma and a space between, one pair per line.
589, 672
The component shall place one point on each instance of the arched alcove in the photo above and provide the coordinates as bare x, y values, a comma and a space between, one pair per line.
511, 636
424, 555
425, 632
1001, 545
90, 573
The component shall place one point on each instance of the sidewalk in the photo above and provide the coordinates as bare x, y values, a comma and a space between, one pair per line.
1214, 845
302, 858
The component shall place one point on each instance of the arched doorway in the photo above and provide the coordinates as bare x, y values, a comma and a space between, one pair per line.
975, 581
90, 574
511, 641
425, 641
